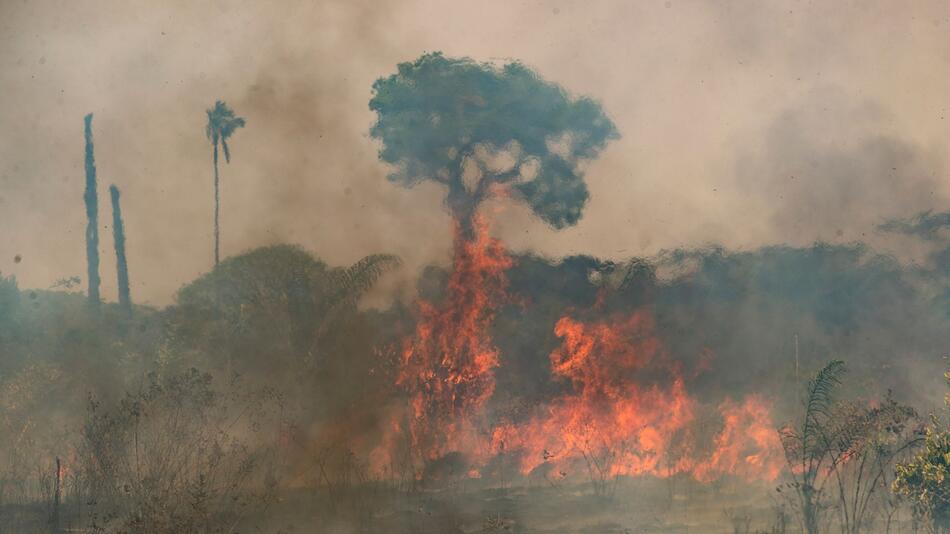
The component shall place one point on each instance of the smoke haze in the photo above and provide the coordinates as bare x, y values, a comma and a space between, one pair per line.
742, 124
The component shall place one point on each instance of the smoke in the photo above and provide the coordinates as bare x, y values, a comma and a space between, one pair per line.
827, 169
774, 203
692, 89
925, 225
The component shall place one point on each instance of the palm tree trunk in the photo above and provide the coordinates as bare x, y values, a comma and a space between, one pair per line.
217, 204
118, 237
92, 217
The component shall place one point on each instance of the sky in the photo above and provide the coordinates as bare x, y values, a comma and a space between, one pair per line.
743, 124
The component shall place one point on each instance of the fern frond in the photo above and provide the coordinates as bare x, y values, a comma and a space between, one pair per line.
819, 401
353, 281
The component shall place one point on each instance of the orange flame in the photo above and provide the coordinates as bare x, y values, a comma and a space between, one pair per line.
623, 424
608, 414
447, 365
627, 410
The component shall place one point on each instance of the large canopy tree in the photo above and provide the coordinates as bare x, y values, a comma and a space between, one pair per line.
479, 129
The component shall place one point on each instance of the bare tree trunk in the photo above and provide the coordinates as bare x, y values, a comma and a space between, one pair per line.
92, 218
118, 237
54, 519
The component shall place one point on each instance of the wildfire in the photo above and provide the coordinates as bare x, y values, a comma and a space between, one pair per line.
627, 410
447, 365
609, 417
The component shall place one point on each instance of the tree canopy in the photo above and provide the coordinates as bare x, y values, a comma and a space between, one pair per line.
476, 126
275, 300
221, 125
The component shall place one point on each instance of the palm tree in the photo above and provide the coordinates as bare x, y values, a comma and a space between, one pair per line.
221, 124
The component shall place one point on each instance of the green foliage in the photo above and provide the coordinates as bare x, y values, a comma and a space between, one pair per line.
276, 301
437, 113
925, 480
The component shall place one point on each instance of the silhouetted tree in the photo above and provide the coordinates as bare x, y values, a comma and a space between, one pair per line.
479, 129
118, 237
92, 217
221, 125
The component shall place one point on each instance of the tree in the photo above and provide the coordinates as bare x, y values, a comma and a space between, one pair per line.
925, 480
865, 443
808, 446
480, 129
221, 125
118, 238
92, 217
277, 300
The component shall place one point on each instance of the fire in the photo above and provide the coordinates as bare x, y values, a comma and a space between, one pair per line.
608, 414
748, 445
626, 412
629, 412
448, 363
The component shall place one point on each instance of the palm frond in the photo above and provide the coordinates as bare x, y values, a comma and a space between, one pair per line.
347, 285
819, 400
211, 130
354, 281
222, 123
229, 126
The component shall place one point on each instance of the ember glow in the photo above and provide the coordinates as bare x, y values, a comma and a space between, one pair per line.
627, 410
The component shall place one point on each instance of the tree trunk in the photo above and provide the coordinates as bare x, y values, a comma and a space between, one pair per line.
54, 519
217, 204
463, 206
92, 218
809, 510
118, 237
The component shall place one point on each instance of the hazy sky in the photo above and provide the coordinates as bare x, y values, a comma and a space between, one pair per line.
743, 123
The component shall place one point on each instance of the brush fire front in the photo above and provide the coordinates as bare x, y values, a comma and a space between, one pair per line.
626, 409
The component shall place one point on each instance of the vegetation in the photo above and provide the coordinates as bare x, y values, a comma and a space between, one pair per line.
259, 399
842, 456
478, 129
118, 237
177, 457
92, 218
808, 448
222, 123
925, 479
